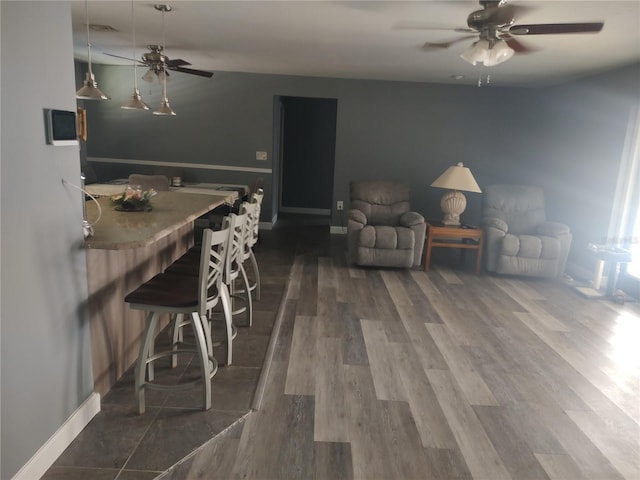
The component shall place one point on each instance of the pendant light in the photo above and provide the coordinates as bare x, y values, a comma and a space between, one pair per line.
135, 103
90, 90
164, 108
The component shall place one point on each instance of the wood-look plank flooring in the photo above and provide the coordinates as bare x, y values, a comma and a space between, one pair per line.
402, 374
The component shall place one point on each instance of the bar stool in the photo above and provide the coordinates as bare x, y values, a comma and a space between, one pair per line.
234, 269
189, 296
251, 237
236, 225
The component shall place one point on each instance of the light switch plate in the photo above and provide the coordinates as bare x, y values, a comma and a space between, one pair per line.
261, 155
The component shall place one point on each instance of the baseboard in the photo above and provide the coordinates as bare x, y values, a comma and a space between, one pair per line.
307, 211
338, 230
46, 455
265, 226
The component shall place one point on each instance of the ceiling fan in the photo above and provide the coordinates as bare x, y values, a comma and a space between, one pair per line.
495, 26
158, 63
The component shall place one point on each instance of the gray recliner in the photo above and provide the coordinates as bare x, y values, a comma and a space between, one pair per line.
382, 231
518, 238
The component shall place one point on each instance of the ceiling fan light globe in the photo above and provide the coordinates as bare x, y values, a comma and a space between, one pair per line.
90, 90
476, 52
149, 76
135, 103
501, 52
164, 108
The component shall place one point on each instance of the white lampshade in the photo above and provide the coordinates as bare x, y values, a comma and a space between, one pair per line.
456, 179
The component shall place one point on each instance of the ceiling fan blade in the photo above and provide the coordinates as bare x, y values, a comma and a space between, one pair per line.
441, 45
192, 71
552, 28
124, 58
411, 25
516, 45
177, 63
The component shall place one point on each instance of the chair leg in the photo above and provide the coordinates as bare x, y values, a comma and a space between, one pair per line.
205, 368
256, 274
177, 336
145, 351
228, 319
248, 293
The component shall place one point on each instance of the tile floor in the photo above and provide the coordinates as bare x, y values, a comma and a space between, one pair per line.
120, 444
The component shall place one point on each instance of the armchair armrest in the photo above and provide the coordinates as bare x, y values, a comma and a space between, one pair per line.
410, 219
357, 216
496, 223
552, 229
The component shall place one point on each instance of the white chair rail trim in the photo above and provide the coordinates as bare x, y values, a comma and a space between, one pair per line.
203, 166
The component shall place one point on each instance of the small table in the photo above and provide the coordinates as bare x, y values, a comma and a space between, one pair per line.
451, 236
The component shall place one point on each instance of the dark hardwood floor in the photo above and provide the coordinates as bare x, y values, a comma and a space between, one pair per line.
402, 374
390, 374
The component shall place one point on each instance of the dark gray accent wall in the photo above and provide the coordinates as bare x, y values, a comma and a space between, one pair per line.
567, 139
46, 348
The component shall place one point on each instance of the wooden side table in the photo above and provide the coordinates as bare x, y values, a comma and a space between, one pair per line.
448, 236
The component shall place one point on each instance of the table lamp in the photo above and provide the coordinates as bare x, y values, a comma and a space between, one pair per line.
456, 179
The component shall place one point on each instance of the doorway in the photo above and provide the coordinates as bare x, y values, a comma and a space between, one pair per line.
307, 155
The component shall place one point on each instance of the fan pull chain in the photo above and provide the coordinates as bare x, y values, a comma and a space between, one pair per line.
487, 80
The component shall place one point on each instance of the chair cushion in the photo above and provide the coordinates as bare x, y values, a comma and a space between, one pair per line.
382, 202
382, 236
519, 206
528, 246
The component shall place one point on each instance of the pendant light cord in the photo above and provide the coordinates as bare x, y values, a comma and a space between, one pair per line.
164, 61
86, 14
135, 60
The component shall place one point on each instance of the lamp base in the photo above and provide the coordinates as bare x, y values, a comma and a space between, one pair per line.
453, 203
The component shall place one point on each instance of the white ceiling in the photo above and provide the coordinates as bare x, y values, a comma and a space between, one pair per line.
359, 39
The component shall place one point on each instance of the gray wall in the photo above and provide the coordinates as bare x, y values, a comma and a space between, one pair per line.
45, 350
567, 138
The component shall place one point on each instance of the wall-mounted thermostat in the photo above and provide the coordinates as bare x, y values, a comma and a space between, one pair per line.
61, 127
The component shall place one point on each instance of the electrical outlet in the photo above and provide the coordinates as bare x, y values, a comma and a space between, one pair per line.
339, 205
261, 155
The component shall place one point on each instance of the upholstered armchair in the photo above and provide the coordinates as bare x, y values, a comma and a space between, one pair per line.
518, 238
382, 231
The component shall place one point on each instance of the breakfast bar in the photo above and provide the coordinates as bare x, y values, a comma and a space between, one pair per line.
126, 250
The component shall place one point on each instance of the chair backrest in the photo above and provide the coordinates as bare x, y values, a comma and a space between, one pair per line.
257, 199
237, 225
257, 185
213, 256
521, 207
159, 183
382, 202
250, 235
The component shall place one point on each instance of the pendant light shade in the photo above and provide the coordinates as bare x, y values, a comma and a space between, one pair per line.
164, 108
135, 103
90, 90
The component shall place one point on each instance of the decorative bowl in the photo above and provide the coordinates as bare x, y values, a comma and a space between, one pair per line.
133, 199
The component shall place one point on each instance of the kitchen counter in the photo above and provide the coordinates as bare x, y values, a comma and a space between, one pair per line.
121, 230
126, 250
